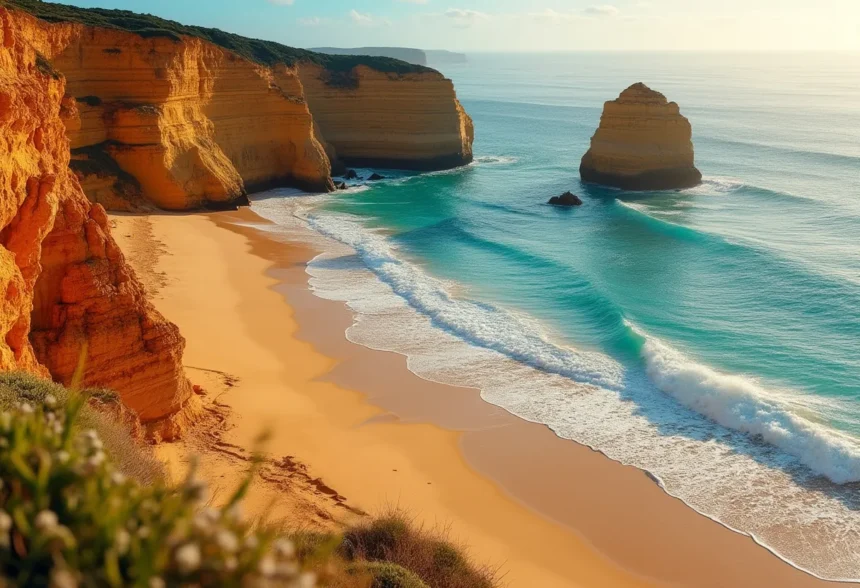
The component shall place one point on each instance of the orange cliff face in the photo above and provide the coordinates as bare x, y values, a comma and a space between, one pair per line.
181, 124
376, 119
65, 281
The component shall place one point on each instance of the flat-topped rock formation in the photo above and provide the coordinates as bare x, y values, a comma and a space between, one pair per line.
371, 118
643, 143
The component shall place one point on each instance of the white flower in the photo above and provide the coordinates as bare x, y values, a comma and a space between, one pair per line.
267, 566
5, 522
62, 578
123, 540
143, 532
251, 542
230, 564
156, 582
287, 569
117, 478
96, 459
63, 456
285, 548
26, 408
50, 401
227, 541
202, 523
307, 580
46, 520
188, 558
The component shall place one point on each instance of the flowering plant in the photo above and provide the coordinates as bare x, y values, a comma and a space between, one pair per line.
68, 517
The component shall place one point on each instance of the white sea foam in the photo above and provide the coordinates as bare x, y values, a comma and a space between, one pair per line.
743, 405
714, 185
634, 416
495, 160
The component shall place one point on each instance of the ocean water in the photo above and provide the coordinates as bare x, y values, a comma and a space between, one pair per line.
709, 336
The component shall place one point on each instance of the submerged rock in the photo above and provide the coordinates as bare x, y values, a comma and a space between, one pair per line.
350, 175
643, 143
375, 177
566, 199
340, 185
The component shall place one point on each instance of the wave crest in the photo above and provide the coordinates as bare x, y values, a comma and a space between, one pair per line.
740, 404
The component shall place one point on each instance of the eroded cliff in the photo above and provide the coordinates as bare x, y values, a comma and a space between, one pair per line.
383, 119
643, 143
183, 117
191, 124
66, 284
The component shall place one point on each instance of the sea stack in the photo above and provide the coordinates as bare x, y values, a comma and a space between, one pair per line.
643, 143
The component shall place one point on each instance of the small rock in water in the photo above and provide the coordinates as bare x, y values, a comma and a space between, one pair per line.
566, 199
375, 177
350, 174
340, 185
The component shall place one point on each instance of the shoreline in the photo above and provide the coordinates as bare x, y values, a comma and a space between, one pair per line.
573, 517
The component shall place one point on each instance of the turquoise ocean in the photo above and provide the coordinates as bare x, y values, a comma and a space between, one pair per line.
710, 336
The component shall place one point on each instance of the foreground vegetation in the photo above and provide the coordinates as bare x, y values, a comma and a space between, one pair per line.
83, 504
264, 52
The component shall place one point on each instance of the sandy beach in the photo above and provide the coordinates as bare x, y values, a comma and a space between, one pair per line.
353, 430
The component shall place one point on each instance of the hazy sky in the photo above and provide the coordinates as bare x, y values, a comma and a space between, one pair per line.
526, 25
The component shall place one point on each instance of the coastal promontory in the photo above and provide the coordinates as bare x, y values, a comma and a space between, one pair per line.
164, 115
643, 143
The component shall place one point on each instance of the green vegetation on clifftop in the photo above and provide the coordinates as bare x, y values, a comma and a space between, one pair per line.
257, 50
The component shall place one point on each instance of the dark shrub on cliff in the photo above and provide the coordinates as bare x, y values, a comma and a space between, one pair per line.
394, 538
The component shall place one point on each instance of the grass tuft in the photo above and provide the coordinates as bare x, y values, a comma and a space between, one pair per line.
395, 538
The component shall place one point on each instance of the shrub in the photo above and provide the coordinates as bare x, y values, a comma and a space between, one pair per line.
128, 455
388, 575
69, 517
395, 539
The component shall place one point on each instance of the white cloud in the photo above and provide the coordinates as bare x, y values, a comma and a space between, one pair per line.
360, 19
553, 16
313, 21
463, 17
602, 10
367, 20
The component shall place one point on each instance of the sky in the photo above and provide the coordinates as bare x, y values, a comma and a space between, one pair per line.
526, 25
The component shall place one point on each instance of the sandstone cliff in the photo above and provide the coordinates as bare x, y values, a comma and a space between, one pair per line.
184, 117
189, 123
66, 284
643, 143
378, 119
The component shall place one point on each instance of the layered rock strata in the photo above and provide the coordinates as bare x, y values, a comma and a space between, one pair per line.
67, 288
182, 124
643, 143
377, 119
180, 117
